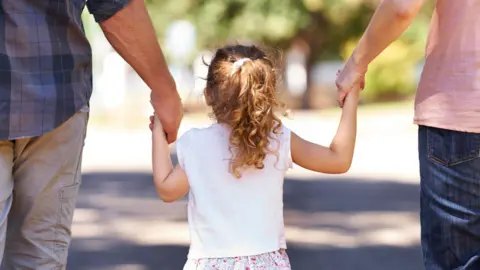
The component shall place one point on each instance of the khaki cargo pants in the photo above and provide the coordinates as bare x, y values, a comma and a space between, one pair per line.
39, 181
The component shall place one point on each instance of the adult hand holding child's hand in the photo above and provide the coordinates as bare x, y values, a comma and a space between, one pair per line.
169, 112
156, 125
350, 77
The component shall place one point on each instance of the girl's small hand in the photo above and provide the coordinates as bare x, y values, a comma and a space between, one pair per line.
155, 124
350, 77
152, 119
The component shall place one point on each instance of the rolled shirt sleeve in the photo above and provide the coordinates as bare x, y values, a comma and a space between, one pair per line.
102, 10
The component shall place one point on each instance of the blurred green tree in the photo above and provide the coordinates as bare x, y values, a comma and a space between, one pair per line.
393, 75
323, 29
317, 27
322, 24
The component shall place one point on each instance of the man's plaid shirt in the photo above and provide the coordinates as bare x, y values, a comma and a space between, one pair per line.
45, 62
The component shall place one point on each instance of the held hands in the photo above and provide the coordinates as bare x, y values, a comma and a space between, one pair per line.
349, 78
168, 112
156, 126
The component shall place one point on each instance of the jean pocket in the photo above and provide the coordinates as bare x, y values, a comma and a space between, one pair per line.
450, 148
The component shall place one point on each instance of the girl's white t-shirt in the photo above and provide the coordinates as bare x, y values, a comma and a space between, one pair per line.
227, 216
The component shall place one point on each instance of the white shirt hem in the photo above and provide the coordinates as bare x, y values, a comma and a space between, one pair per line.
222, 254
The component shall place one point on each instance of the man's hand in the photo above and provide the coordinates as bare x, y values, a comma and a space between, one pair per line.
390, 20
169, 111
347, 79
130, 31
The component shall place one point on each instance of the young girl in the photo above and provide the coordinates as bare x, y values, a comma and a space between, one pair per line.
233, 170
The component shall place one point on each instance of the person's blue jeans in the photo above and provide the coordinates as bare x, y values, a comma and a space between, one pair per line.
450, 198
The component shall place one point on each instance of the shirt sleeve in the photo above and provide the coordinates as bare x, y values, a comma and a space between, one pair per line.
103, 10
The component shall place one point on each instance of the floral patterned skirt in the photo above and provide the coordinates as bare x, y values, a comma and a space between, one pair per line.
277, 260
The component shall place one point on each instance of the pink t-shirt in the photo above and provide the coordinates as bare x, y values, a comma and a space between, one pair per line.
448, 95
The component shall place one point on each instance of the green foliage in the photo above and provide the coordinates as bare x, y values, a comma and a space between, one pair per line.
329, 27
221, 21
91, 28
393, 74
323, 24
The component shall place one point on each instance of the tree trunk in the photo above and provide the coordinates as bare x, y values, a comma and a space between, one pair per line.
308, 95
311, 41
301, 47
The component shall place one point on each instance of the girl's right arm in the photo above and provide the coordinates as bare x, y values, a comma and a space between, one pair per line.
171, 182
338, 157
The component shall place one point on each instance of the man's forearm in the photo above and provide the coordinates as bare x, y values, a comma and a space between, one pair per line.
390, 20
131, 34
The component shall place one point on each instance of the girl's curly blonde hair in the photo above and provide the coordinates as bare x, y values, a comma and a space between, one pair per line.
241, 89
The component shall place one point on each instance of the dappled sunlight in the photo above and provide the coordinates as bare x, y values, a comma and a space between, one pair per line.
333, 222
352, 230
315, 230
129, 267
121, 222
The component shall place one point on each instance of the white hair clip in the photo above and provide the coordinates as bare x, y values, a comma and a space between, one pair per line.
238, 64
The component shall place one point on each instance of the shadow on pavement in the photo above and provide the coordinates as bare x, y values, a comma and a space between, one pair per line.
132, 196
318, 195
172, 257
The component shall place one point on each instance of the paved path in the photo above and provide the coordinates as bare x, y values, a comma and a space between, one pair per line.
386, 144
365, 220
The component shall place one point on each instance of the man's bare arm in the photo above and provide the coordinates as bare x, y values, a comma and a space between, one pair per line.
130, 32
390, 20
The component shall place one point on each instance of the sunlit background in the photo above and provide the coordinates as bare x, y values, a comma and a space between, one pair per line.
366, 219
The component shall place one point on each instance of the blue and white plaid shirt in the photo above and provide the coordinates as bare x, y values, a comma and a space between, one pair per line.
45, 62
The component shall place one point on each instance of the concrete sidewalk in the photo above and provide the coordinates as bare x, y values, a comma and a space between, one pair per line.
330, 224
386, 144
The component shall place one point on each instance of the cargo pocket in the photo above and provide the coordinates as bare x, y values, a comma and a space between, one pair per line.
68, 196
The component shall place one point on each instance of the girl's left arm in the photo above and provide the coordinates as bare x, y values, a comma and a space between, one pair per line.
171, 183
